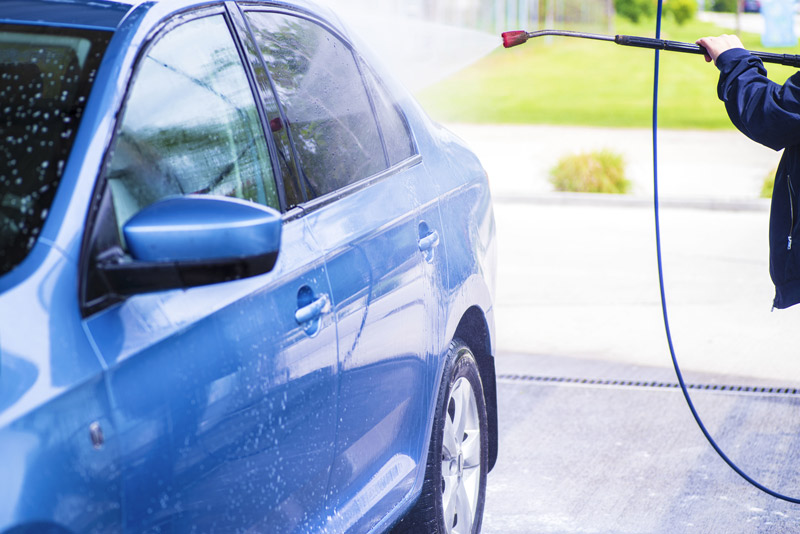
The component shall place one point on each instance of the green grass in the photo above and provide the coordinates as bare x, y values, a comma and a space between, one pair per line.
590, 83
769, 184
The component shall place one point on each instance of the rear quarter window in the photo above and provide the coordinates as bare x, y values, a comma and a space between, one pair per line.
393, 125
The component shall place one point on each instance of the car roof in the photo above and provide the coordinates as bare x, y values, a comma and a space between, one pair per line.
93, 14
102, 14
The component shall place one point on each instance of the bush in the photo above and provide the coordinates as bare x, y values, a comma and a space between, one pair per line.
725, 6
681, 10
593, 172
769, 184
633, 10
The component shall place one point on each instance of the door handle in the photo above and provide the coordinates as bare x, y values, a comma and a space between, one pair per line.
313, 310
429, 241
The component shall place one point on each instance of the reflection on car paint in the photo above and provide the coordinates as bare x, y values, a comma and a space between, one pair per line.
208, 406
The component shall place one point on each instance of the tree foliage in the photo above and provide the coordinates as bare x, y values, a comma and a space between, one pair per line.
634, 10
681, 10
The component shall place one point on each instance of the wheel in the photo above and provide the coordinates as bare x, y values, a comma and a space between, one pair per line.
454, 490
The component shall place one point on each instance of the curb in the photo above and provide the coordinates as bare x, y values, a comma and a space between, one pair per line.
627, 201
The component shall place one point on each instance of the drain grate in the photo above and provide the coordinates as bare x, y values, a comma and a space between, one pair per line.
648, 384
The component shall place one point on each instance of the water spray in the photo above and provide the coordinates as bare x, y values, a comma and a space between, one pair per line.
514, 38
518, 37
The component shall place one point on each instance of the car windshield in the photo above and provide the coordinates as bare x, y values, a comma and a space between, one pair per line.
45, 77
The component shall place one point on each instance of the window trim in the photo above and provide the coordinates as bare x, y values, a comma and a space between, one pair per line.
395, 105
329, 198
281, 111
241, 30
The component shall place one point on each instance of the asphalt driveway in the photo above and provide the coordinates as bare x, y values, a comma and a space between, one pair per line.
594, 437
606, 457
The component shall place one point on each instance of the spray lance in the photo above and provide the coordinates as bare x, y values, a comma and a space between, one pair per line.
518, 37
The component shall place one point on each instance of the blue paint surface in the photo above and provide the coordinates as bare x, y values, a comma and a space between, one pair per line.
296, 400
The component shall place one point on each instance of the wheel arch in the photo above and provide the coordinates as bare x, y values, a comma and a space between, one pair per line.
473, 329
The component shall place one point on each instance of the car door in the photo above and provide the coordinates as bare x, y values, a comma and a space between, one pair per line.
224, 396
359, 191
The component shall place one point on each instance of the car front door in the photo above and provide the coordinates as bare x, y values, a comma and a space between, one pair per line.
224, 396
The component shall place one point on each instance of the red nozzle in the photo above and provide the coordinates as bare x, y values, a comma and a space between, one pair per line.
514, 38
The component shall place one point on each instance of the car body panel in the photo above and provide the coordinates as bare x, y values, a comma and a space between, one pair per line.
52, 390
218, 390
239, 397
379, 289
91, 15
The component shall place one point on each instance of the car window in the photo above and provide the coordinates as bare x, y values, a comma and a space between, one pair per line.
45, 78
325, 102
190, 125
392, 123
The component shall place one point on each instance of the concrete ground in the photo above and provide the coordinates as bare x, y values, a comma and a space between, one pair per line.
716, 165
578, 298
629, 459
578, 276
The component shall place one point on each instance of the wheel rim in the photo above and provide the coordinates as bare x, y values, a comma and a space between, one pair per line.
461, 458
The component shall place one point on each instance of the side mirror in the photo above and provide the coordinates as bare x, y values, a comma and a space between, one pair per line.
195, 240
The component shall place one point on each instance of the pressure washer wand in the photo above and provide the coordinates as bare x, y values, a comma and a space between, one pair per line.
518, 37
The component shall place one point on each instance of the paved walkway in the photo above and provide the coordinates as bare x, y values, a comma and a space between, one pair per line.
748, 22
579, 279
720, 165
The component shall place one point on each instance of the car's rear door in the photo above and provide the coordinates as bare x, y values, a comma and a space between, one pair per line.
358, 180
224, 396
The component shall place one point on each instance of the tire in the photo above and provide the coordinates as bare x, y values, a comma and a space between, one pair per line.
454, 490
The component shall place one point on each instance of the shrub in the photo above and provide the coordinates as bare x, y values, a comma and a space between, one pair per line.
726, 6
681, 10
768, 185
594, 172
633, 10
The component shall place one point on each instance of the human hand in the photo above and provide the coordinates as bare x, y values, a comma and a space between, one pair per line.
714, 46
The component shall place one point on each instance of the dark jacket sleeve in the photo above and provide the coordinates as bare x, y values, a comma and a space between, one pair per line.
764, 111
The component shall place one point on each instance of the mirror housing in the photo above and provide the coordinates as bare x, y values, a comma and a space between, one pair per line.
194, 240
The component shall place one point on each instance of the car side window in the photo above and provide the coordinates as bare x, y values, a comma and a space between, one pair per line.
190, 125
325, 102
393, 124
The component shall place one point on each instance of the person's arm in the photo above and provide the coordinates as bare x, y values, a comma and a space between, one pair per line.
763, 110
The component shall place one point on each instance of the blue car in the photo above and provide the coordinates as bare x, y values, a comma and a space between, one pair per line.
245, 284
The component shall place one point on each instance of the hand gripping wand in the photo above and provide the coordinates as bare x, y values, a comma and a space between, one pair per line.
518, 37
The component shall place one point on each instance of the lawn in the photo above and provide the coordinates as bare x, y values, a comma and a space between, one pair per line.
591, 83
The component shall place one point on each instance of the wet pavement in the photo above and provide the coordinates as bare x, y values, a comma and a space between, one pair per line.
578, 301
629, 459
